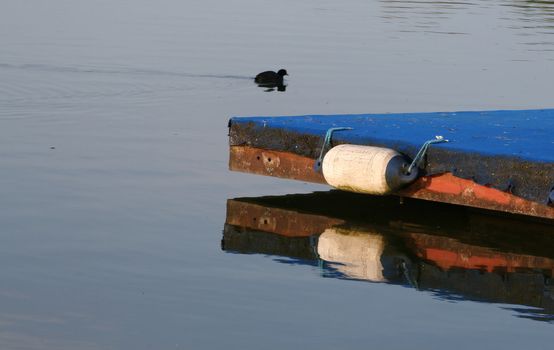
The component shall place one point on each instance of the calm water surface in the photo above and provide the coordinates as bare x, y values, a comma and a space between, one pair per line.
114, 181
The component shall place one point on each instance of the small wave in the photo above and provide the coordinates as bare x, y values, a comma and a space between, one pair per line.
122, 70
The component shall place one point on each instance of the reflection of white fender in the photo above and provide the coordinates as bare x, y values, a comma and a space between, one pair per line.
359, 252
366, 169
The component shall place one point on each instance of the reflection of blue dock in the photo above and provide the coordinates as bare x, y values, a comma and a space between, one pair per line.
498, 160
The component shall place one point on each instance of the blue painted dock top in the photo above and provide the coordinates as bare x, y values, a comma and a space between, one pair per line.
524, 134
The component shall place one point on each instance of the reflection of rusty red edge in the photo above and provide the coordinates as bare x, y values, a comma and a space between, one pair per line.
440, 188
274, 220
448, 253
511, 263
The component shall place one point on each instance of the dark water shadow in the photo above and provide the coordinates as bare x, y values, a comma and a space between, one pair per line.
455, 253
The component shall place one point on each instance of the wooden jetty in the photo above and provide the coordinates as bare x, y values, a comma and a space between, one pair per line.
496, 160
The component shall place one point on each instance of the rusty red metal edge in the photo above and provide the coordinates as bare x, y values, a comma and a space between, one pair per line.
445, 188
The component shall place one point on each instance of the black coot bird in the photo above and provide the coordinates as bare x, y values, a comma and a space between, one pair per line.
270, 77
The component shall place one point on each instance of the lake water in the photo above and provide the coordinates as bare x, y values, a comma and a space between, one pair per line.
114, 185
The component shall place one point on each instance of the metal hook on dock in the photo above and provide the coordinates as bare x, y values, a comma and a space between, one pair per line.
419, 156
326, 143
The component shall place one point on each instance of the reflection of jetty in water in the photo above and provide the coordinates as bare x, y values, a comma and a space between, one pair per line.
455, 252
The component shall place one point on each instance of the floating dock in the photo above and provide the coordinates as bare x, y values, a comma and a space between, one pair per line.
496, 160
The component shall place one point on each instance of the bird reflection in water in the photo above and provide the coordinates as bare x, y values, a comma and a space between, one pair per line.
273, 87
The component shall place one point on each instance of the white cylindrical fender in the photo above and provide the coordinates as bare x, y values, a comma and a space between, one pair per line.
366, 169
